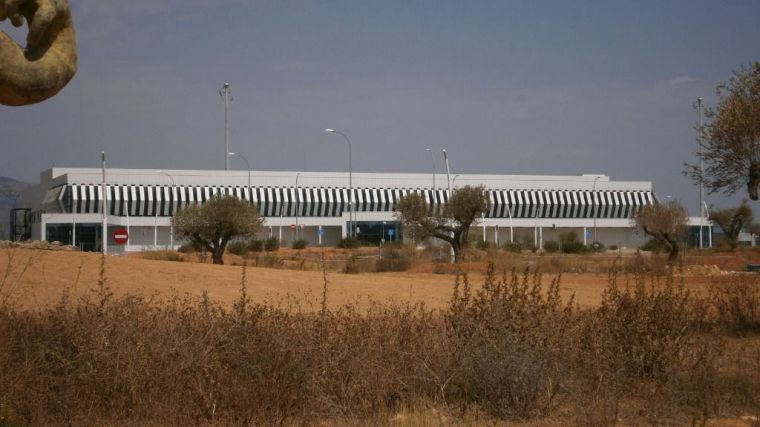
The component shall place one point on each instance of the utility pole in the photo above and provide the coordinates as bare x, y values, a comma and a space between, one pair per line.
103, 206
226, 93
701, 173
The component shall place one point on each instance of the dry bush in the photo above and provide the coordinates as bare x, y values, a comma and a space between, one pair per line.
736, 302
162, 256
513, 350
510, 339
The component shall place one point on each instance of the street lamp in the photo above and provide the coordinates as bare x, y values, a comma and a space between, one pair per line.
432, 162
247, 165
350, 183
226, 94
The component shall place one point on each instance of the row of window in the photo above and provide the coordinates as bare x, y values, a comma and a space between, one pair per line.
332, 202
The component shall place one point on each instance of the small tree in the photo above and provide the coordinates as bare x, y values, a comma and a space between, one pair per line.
732, 221
214, 223
665, 222
451, 223
732, 136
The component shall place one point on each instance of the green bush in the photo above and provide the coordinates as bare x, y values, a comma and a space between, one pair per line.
483, 245
574, 248
349, 243
300, 244
272, 244
256, 245
238, 247
613, 247
597, 246
651, 245
189, 247
551, 246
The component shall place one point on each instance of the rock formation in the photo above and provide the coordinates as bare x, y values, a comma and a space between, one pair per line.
49, 61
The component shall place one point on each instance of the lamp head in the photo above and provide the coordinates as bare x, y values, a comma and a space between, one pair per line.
330, 130
230, 153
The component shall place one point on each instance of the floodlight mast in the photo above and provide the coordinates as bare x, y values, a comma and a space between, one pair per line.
226, 94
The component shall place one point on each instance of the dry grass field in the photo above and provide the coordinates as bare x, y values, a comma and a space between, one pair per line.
125, 340
39, 277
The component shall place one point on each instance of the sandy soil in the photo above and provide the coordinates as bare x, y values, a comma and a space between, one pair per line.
37, 279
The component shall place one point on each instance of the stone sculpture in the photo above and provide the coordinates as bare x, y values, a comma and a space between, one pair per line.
49, 61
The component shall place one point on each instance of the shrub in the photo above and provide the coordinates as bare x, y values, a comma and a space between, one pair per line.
189, 247
238, 247
352, 266
551, 246
392, 259
736, 302
512, 247
349, 243
483, 245
300, 244
613, 247
642, 331
651, 245
271, 244
256, 245
511, 340
162, 256
597, 246
269, 260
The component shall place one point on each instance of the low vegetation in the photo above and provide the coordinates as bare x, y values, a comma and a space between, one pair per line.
513, 349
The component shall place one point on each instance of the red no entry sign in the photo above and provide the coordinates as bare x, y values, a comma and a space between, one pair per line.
120, 236
292, 226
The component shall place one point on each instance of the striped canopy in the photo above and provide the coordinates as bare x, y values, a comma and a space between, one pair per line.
144, 200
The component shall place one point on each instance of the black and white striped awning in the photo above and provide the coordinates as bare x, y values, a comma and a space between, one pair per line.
143, 200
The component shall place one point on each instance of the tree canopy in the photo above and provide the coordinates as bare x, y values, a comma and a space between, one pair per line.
665, 222
451, 223
731, 146
214, 223
732, 221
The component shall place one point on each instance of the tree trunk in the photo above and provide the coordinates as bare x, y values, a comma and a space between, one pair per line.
217, 255
672, 252
457, 248
754, 180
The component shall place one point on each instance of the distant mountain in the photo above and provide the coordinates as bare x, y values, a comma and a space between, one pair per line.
10, 197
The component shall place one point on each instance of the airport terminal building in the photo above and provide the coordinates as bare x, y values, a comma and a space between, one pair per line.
66, 205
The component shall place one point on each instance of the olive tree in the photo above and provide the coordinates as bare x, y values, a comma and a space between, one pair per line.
214, 223
451, 223
732, 221
732, 136
665, 222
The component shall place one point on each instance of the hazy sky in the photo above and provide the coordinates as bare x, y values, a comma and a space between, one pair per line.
509, 87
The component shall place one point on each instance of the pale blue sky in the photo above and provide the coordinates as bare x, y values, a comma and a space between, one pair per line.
532, 87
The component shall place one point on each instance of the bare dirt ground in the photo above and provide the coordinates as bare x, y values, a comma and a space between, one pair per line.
36, 278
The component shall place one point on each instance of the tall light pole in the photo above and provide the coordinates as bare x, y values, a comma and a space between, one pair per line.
701, 172
432, 162
448, 170
350, 183
104, 205
448, 180
226, 94
248, 165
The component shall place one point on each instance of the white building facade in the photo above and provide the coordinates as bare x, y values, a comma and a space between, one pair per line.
67, 205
